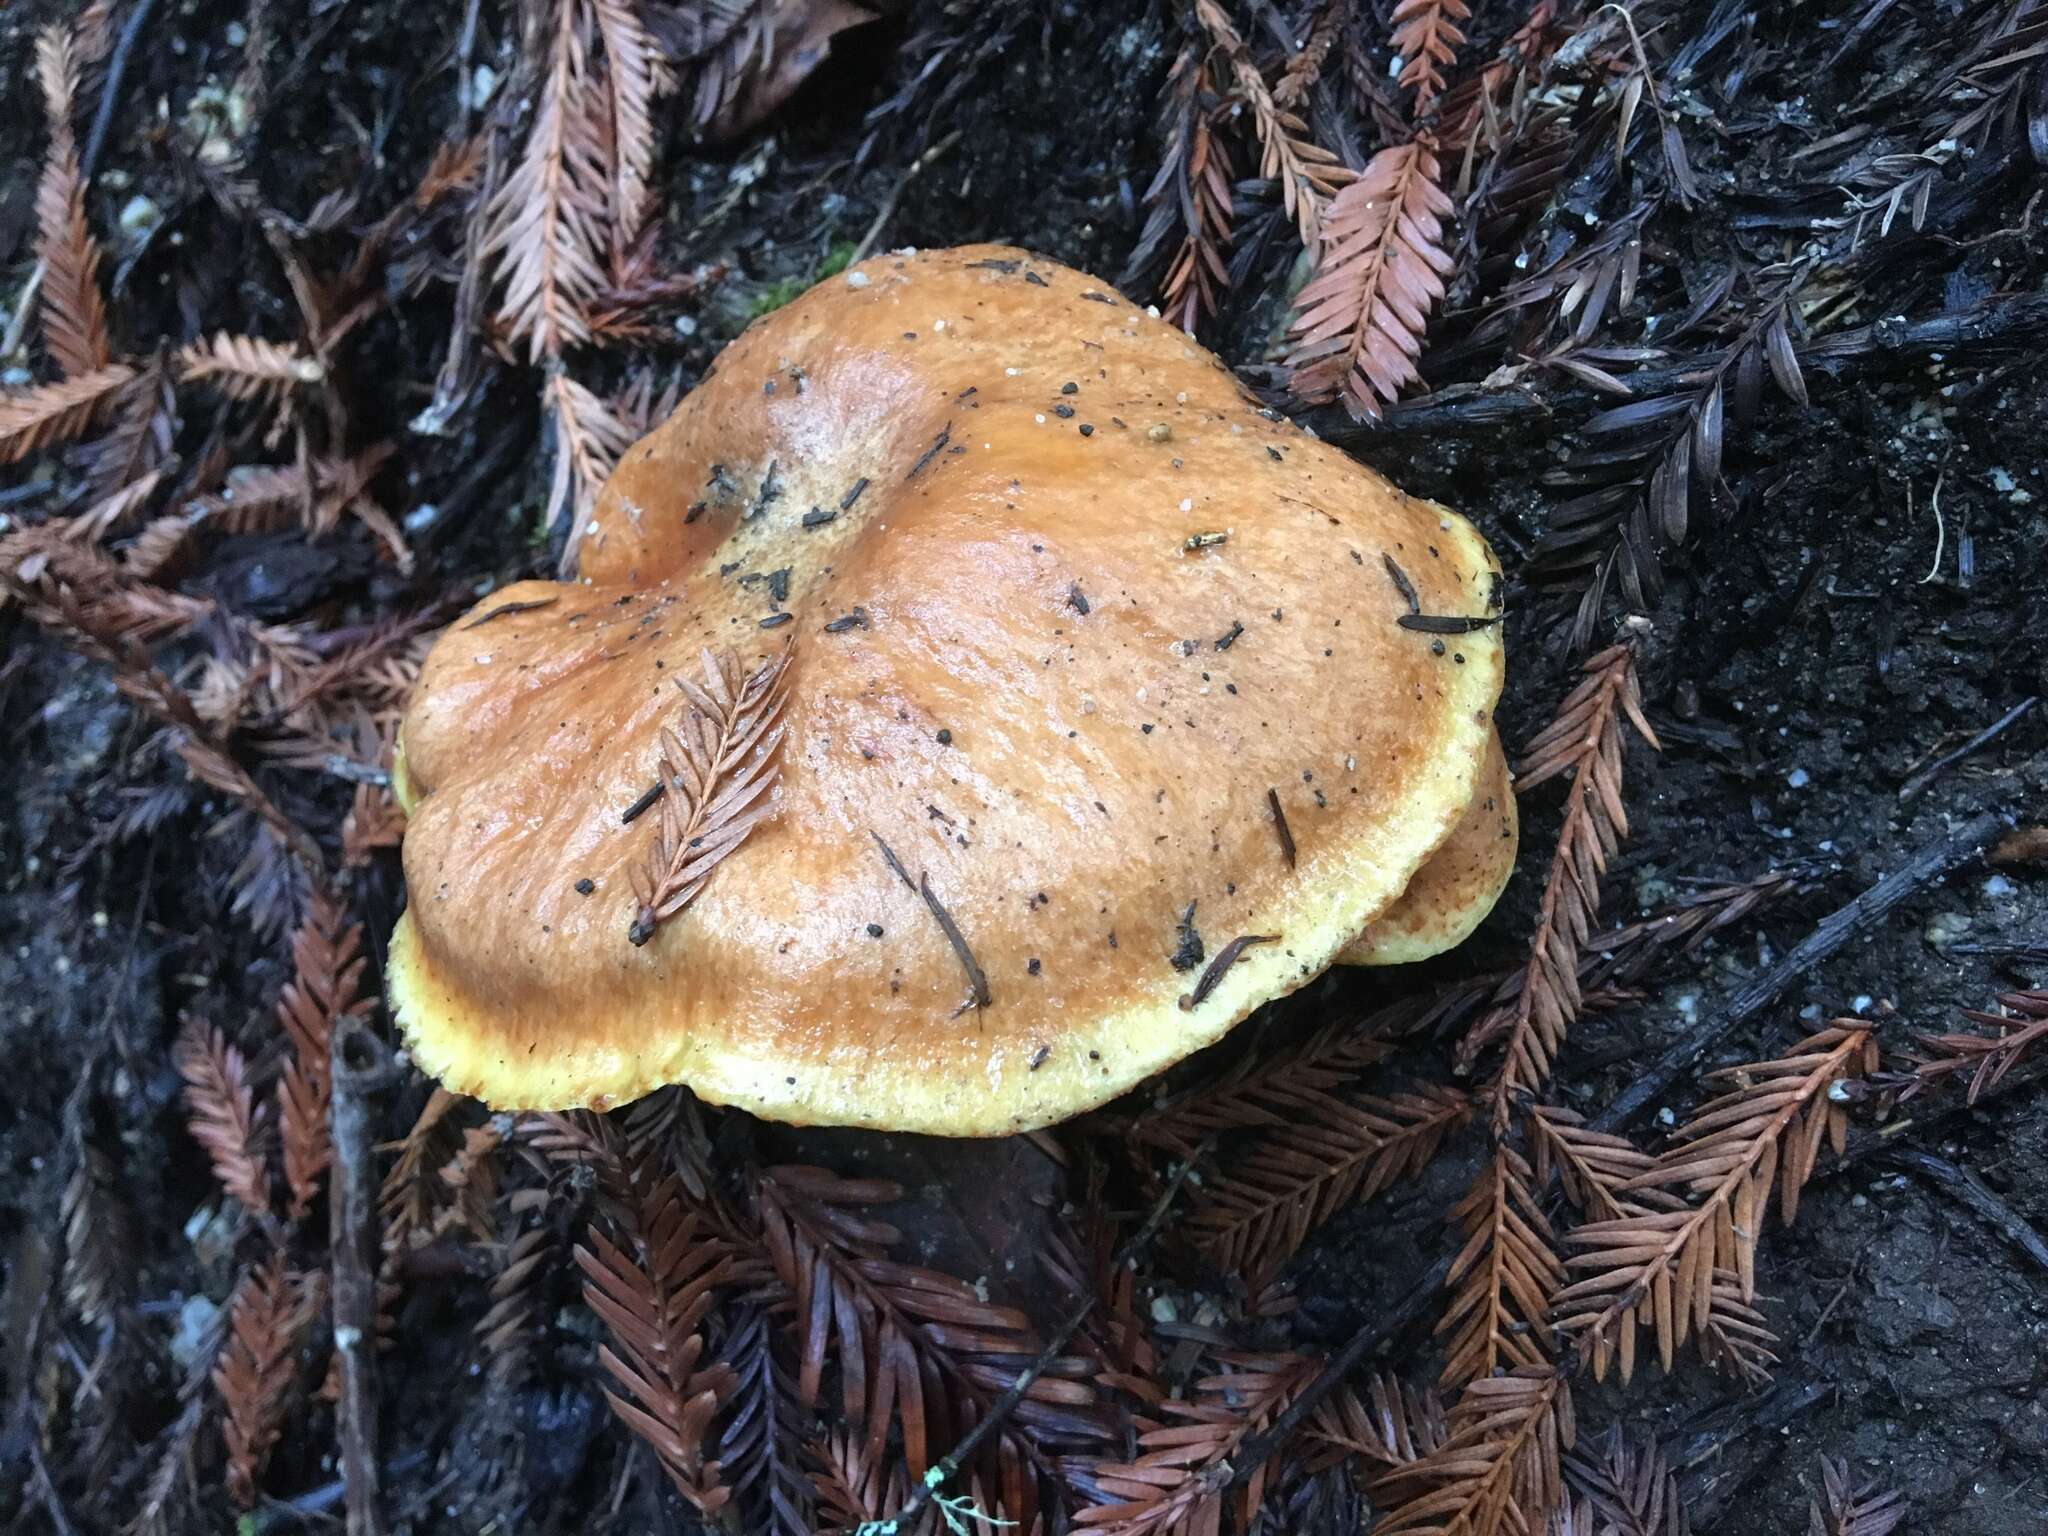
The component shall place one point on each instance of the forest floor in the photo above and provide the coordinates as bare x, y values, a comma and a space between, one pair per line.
1864, 595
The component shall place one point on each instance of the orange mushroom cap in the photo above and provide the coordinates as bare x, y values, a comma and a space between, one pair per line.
1459, 884
1062, 617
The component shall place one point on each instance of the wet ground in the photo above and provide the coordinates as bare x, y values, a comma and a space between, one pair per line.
1828, 639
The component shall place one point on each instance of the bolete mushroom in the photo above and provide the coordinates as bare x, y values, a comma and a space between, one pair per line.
971, 703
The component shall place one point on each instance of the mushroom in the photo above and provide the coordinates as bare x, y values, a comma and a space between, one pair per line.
971, 703
1459, 884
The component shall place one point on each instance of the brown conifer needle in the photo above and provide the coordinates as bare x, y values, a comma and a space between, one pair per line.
1381, 261
717, 769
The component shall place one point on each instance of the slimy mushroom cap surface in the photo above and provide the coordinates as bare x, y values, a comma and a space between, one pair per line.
1066, 612
1459, 884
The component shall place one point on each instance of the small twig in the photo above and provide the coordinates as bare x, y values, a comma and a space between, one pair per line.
458, 372
504, 608
977, 978
338, 765
24, 310
948, 1466
46, 1490
1926, 776
1365, 1343
1879, 1141
1710, 1435
641, 806
1280, 826
895, 864
2009, 324
888, 208
1925, 867
23, 1431
1649, 78
360, 1067
1979, 1197
1217, 968
2038, 953
938, 443
1446, 623
465, 48
293, 1511
110, 88
1828, 1311
1750, 1421
1401, 583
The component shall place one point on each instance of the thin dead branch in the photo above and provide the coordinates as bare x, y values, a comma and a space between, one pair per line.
760, 1444
1392, 1427
1657, 1269
1305, 66
1603, 1176
510, 1328
1651, 461
915, 1349
633, 72
1269, 1090
248, 368
590, 437
358, 1068
327, 969
1190, 197
1171, 1485
46, 415
106, 634
1628, 1488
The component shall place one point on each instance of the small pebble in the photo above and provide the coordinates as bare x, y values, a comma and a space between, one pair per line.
1944, 928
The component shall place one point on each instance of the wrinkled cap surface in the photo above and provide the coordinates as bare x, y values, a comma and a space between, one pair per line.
1065, 615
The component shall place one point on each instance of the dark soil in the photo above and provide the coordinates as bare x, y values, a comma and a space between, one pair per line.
1821, 646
